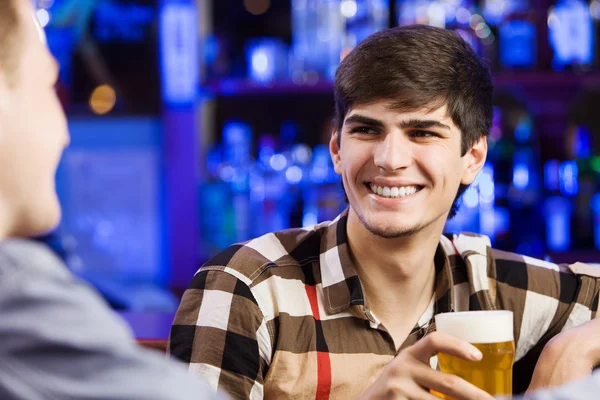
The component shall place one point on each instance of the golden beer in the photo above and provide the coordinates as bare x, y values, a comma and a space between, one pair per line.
492, 333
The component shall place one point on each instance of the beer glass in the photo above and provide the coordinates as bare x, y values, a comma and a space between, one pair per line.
492, 333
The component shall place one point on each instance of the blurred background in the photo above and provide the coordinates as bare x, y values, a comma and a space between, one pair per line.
198, 124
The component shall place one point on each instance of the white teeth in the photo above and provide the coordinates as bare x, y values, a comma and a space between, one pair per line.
392, 192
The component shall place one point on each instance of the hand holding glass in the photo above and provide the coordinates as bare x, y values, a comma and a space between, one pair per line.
492, 333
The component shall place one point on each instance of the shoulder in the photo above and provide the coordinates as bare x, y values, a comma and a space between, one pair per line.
255, 279
503, 277
287, 249
477, 249
20, 257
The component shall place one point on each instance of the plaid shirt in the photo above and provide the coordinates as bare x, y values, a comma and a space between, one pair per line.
284, 315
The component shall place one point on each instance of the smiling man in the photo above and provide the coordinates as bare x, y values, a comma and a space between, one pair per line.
346, 308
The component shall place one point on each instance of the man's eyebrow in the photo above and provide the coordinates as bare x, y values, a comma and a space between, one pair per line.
416, 123
361, 119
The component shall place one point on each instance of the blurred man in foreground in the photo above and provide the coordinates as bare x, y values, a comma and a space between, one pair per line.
586, 389
58, 339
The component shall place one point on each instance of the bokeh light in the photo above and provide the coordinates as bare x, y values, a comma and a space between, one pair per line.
103, 99
257, 7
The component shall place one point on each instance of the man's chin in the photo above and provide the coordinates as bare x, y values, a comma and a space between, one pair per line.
391, 229
395, 232
40, 223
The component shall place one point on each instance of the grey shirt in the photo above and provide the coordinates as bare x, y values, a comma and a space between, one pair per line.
585, 389
59, 340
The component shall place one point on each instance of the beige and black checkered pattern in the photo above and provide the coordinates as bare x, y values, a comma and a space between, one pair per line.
284, 316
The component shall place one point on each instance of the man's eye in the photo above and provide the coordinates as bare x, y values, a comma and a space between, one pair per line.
423, 134
363, 130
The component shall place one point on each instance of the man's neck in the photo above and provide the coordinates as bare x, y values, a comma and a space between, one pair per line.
5, 220
398, 275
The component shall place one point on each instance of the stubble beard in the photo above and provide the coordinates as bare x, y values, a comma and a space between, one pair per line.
391, 233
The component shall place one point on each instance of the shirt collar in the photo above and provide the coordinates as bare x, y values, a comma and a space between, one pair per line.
341, 285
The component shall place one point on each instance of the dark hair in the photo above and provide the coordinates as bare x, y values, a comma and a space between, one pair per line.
9, 32
418, 67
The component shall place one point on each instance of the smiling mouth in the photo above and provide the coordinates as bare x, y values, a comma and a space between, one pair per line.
393, 192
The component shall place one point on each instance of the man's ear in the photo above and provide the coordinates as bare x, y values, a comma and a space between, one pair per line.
334, 150
474, 160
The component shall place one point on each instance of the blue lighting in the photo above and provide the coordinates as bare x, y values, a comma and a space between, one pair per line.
517, 44
571, 33
267, 59
278, 162
227, 173
595, 205
487, 223
43, 17
319, 174
122, 22
260, 62
568, 178
525, 172
309, 219
349, 8
432, 12
321, 164
211, 49
558, 225
502, 220
369, 16
293, 175
471, 197
552, 175
486, 186
581, 143
495, 11
301, 154
237, 139
523, 129
520, 176
266, 148
179, 52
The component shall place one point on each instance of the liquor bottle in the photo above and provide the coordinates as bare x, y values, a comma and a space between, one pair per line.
324, 199
268, 190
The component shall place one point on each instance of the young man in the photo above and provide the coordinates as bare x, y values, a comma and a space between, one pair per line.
346, 308
58, 339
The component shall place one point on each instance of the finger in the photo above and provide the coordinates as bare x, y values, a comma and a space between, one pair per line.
438, 342
448, 384
411, 390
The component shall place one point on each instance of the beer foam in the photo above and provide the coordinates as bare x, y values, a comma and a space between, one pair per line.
477, 326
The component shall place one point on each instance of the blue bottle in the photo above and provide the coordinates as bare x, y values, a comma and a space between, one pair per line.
268, 190
363, 17
237, 161
571, 34
317, 30
324, 198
